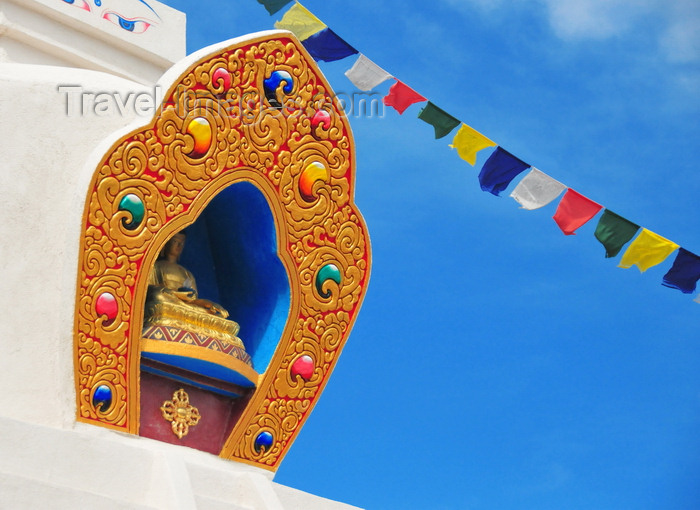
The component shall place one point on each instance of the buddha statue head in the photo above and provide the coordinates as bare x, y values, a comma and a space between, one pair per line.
173, 248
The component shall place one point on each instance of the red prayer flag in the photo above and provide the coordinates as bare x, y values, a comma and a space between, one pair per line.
574, 210
401, 96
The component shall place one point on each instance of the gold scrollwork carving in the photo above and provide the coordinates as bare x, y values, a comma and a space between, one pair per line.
219, 124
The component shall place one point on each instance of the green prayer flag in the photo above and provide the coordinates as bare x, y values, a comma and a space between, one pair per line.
442, 121
614, 231
273, 6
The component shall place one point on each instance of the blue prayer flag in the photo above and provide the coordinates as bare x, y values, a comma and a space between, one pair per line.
499, 170
327, 46
685, 272
273, 6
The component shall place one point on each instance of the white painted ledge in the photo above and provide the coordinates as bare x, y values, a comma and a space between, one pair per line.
91, 467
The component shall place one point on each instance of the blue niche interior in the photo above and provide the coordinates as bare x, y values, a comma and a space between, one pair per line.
232, 252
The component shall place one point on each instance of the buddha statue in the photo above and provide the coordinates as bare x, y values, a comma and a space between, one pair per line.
169, 282
175, 313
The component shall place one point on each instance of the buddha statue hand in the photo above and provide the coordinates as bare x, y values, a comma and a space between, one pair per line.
211, 307
186, 294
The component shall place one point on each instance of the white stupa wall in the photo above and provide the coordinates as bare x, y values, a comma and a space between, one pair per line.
53, 133
54, 32
44, 180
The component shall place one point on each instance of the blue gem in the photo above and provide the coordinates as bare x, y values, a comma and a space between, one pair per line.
102, 398
272, 83
263, 441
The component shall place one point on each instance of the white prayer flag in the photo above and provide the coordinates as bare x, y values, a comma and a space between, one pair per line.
536, 190
365, 74
697, 299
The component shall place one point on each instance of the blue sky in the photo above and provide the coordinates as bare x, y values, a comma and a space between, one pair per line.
496, 363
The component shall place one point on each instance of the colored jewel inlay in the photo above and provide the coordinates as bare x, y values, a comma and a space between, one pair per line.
134, 206
321, 118
303, 366
272, 83
102, 398
309, 176
327, 272
221, 77
200, 130
263, 441
106, 305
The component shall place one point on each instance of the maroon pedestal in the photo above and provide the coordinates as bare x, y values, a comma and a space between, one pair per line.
218, 413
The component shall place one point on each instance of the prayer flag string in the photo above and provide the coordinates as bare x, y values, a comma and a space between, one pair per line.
534, 191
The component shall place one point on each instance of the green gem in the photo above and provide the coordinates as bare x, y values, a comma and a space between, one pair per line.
327, 272
134, 206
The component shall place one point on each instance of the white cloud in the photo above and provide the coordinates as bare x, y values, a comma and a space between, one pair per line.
678, 21
681, 40
594, 19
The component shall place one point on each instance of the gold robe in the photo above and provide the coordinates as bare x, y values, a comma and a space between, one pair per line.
172, 301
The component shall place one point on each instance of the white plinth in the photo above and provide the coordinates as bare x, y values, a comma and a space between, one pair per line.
89, 467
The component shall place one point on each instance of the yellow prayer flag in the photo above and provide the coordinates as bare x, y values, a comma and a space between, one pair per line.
468, 142
647, 250
299, 20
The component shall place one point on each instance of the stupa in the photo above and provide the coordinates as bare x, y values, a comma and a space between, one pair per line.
182, 258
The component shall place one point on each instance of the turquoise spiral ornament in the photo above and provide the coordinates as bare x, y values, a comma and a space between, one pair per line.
327, 272
134, 206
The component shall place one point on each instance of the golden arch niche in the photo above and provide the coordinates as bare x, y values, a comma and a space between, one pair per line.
252, 155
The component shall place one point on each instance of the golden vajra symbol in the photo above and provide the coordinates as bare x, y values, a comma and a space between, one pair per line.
180, 413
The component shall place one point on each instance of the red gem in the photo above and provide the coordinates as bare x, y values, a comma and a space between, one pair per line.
106, 305
303, 366
221, 76
321, 117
